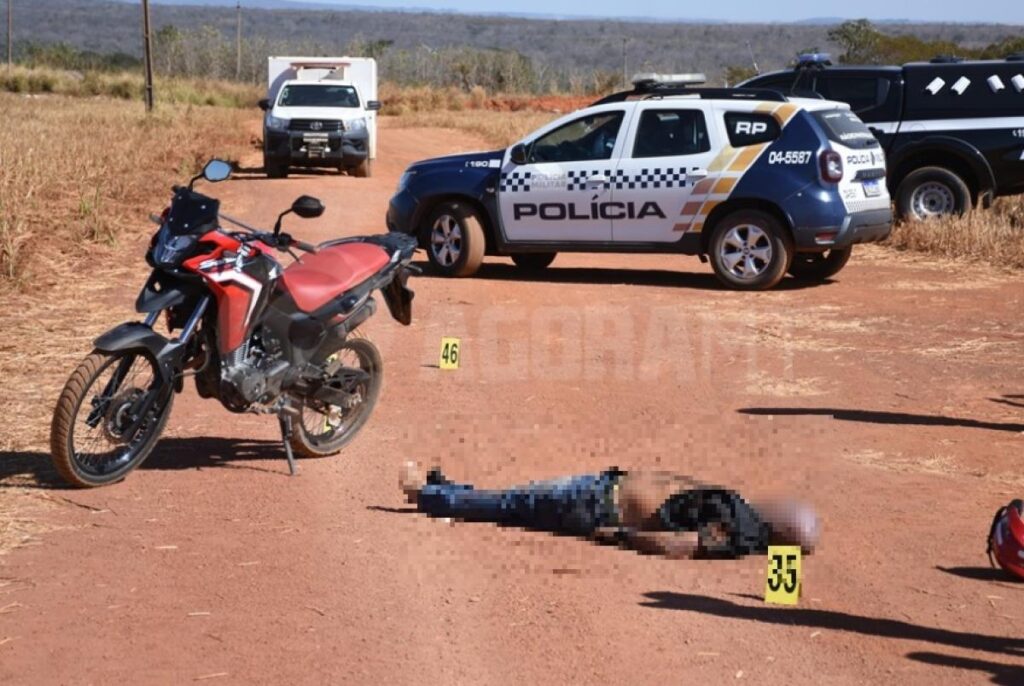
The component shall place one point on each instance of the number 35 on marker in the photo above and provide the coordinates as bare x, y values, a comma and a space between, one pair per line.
783, 586
450, 349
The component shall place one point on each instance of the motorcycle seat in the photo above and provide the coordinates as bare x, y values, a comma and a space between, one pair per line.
321, 276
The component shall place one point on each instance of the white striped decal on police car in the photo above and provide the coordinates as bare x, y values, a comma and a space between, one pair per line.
724, 173
578, 179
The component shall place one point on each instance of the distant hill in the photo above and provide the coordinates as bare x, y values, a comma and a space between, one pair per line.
567, 47
253, 4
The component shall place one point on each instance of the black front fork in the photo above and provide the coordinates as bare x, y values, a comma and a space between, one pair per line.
166, 354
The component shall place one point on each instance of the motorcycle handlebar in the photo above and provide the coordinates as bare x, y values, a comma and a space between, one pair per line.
303, 245
283, 241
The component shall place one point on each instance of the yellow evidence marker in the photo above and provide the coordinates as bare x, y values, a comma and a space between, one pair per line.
449, 353
783, 587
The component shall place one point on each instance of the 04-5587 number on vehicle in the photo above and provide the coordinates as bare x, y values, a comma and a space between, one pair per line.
789, 157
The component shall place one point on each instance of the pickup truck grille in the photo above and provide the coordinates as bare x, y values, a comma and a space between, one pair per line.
315, 125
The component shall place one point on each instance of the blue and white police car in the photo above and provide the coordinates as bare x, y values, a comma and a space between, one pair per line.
760, 183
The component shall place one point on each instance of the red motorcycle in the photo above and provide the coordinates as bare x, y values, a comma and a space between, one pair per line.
254, 335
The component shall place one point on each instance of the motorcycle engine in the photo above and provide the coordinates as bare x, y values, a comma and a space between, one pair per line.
253, 373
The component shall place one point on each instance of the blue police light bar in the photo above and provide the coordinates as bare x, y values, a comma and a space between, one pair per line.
814, 59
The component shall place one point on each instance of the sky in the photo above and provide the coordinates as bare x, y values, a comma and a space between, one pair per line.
995, 11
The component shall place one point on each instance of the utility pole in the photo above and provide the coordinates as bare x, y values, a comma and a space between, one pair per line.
148, 49
10, 34
757, 70
625, 77
238, 40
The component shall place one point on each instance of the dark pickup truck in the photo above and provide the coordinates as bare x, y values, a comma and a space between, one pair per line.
953, 130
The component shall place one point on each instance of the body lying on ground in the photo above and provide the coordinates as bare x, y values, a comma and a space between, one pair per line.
649, 511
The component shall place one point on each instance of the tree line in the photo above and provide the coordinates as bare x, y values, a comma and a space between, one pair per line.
863, 43
464, 51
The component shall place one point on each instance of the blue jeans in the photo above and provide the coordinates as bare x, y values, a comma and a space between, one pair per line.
573, 505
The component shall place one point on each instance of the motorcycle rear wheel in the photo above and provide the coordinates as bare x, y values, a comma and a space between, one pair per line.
321, 429
107, 400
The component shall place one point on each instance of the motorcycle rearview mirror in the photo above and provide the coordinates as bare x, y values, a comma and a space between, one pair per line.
217, 170
306, 206
518, 154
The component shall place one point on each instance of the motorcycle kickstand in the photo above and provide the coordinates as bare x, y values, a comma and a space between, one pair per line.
286, 435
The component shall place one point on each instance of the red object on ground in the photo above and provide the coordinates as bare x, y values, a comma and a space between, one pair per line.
1006, 538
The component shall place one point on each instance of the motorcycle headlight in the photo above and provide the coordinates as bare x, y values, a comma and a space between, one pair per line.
171, 250
356, 124
276, 123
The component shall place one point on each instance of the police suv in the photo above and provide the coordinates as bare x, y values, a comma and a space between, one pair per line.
953, 130
759, 182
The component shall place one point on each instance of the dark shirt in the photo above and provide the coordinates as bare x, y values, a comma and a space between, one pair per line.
726, 524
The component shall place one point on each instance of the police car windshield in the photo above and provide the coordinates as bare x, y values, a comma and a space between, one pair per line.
318, 95
846, 128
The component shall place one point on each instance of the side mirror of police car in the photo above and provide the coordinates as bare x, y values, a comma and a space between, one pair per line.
373, 105
518, 154
264, 104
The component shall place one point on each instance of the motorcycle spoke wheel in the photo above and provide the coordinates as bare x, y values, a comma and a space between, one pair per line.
100, 431
355, 370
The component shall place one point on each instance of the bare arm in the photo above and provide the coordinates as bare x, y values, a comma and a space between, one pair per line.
673, 545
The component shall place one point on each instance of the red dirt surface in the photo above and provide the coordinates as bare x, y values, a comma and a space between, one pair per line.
892, 398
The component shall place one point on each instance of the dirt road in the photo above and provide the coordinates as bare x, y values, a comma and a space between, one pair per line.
893, 398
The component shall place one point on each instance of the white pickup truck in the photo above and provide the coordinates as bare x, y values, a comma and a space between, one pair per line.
320, 112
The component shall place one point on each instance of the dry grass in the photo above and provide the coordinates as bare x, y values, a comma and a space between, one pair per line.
77, 179
995, 236
398, 100
498, 128
403, 100
22, 521
128, 86
78, 172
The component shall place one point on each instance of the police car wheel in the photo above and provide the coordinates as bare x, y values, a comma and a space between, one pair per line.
818, 266
533, 261
454, 240
932, 192
750, 250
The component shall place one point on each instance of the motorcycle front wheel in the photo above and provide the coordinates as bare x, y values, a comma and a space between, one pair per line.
357, 370
97, 435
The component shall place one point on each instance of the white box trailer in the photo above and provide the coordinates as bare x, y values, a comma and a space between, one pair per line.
321, 111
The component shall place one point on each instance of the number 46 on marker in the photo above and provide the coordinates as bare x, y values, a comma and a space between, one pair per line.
783, 587
449, 353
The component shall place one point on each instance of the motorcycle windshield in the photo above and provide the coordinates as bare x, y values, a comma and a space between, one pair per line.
192, 213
